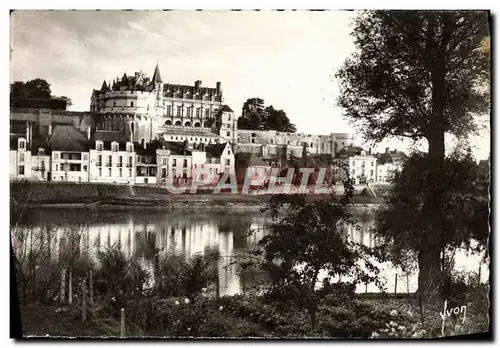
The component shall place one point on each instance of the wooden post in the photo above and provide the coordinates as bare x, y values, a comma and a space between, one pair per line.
63, 284
84, 302
70, 288
396, 284
122, 323
91, 288
479, 274
407, 284
217, 285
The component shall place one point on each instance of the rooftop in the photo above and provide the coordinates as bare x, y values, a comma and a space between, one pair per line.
68, 138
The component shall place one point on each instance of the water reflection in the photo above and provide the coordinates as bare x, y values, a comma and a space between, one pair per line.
139, 233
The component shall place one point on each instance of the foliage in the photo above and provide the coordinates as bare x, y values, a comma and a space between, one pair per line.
307, 239
118, 274
465, 207
418, 74
32, 89
174, 276
389, 86
256, 116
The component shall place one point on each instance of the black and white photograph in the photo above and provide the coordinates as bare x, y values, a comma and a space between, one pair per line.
250, 174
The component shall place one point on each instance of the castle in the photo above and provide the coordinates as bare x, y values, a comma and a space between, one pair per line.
143, 109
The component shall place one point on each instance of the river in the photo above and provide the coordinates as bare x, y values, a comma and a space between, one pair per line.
190, 232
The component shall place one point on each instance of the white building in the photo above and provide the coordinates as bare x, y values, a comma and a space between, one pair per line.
145, 166
220, 158
20, 158
361, 164
112, 159
388, 164
70, 154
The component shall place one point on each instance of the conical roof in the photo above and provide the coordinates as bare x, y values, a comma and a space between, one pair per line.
156, 75
104, 86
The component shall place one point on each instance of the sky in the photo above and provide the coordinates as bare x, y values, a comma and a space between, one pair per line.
286, 58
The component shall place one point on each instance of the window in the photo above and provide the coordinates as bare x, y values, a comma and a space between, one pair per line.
229, 117
132, 104
109, 172
100, 171
114, 147
169, 110
228, 134
120, 172
207, 112
114, 103
228, 162
21, 170
99, 146
21, 157
84, 168
130, 148
120, 161
41, 152
189, 111
85, 157
198, 112
109, 161
164, 160
57, 167
56, 156
179, 110
185, 163
164, 172
130, 161
229, 152
174, 162
99, 160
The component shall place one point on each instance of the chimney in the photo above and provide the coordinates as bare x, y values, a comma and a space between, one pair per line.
197, 84
386, 150
218, 88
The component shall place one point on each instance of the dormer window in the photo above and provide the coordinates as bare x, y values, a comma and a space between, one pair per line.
41, 151
98, 146
130, 148
114, 147
22, 144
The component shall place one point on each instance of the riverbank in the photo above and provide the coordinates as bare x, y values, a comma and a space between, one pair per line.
117, 197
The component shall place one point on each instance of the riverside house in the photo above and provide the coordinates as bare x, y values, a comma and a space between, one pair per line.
70, 154
112, 158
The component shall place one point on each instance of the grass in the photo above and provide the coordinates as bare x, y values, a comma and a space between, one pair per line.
51, 321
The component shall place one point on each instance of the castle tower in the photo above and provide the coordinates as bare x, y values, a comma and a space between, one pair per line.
157, 113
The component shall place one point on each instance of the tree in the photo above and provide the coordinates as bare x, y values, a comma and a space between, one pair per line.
252, 114
277, 120
465, 212
304, 239
418, 74
32, 89
256, 116
68, 101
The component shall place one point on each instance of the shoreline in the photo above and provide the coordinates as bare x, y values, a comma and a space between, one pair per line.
233, 203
